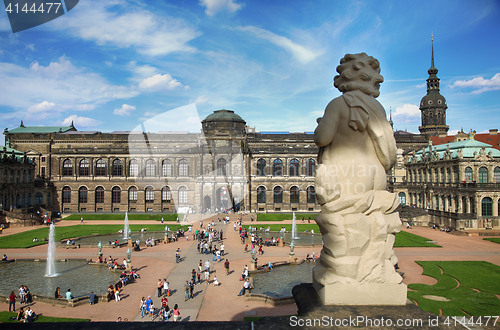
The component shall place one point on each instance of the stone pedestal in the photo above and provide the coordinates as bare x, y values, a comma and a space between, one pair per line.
281, 243
375, 294
292, 257
165, 240
253, 265
129, 243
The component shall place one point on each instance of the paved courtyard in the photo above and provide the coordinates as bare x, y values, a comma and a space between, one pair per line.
222, 303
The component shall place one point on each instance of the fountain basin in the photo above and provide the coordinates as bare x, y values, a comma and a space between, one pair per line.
275, 286
77, 275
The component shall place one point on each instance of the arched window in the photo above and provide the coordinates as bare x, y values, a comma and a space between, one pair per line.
18, 178
166, 194
150, 195
442, 175
67, 167
117, 168
278, 194
221, 166
294, 194
66, 196
116, 193
261, 167
402, 198
132, 195
29, 197
261, 194
183, 168
496, 174
99, 195
100, 167
278, 167
83, 168
464, 205
82, 195
38, 198
183, 194
472, 204
487, 207
134, 168
483, 175
23, 201
311, 195
166, 168
468, 174
294, 167
448, 175
310, 167
24, 176
150, 168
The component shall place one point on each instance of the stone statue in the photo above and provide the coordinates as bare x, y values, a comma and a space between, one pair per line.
357, 219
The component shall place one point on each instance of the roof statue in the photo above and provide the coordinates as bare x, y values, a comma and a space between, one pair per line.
357, 219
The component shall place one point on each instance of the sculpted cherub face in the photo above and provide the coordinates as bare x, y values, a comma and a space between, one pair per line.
359, 72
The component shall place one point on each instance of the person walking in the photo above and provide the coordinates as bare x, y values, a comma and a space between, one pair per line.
226, 266
165, 287
186, 291
159, 286
222, 247
177, 313
143, 306
193, 275
12, 301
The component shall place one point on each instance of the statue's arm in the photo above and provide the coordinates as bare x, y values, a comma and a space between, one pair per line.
328, 125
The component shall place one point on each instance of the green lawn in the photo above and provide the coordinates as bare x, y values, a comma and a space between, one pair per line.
25, 239
281, 217
470, 286
119, 216
5, 316
493, 239
403, 239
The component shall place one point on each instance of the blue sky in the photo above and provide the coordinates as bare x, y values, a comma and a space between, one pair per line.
114, 64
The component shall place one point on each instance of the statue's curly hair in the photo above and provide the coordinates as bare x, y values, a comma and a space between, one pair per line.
362, 66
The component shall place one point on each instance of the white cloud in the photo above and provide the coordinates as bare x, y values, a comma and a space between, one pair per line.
479, 84
143, 30
215, 6
125, 110
301, 53
31, 47
42, 107
408, 113
60, 82
141, 71
160, 82
200, 99
81, 121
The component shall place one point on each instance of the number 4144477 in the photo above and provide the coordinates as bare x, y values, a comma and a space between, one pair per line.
473, 320
46, 7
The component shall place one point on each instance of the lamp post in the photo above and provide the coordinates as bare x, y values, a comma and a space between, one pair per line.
166, 235
129, 264
129, 240
99, 249
292, 255
253, 264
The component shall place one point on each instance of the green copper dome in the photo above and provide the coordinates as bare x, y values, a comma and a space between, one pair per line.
224, 115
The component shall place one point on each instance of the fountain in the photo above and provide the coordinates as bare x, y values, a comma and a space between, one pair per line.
125, 229
294, 227
50, 270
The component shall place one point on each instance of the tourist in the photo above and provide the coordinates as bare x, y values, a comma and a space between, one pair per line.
149, 304
117, 293
207, 266
12, 301
69, 295
207, 276
119, 319
246, 286
165, 287
21, 294
4, 257
142, 306
193, 275
191, 289
226, 266
92, 298
57, 295
20, 314
216, 281
159, 286
186, 291
222, 247
177, 313
27, 295
124, 263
